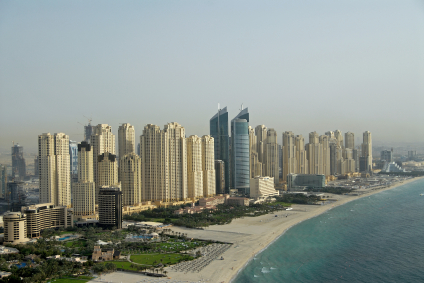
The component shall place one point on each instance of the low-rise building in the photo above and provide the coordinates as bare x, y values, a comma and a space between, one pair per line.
238, 201
15, 228
305, 180
138, 207
262, 187
109, 254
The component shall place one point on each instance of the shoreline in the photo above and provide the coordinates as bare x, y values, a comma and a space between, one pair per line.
250, 236
244, 248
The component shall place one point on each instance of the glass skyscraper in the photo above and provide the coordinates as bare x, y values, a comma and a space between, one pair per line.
240, 157
219, 132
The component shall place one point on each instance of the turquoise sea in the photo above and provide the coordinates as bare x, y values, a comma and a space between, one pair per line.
379, 238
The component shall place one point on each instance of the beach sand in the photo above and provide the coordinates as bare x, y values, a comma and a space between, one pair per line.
250, 235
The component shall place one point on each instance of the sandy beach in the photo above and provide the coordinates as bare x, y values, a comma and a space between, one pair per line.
250, 235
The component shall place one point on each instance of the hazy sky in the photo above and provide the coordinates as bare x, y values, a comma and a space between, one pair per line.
299, 66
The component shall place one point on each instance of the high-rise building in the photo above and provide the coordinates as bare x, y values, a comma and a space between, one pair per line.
208, 166
130, 174
255, 165
73, 156
126, 140
261, 135
325, 144
3, 181
101, 140
110, 207
36, 169
54, 169
240, 160
220, 177
271, 156
164, 163
301, 156
107, 171
349, 140
386, 155
289, 154
367, 150
88, 131
314, 153
18, 162
84, 190
219, 132
339, 137
194, 167
15, 228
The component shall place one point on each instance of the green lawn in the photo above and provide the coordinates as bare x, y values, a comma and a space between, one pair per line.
123, 264
282, 203
173, 246
81, 279
149, 259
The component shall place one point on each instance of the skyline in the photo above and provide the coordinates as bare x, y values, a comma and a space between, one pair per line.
297, 67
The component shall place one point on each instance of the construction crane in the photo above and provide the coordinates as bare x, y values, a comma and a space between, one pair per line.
89, 120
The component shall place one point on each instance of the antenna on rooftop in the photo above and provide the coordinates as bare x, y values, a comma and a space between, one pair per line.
241, 107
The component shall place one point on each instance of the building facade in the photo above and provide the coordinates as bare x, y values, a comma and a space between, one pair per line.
18, 163
54, 169
110, 207
194, 167
240, 157
130, 173
14, 228
262, 187
126, 139
208, 166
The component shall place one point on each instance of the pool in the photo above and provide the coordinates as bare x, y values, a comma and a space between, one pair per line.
65, 238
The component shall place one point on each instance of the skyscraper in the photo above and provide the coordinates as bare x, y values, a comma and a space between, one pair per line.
314, 152
261, 135
107, 167
349, 140
240, 163
255, 165
194, 167
126, 140
301, 156
3, 181
289, 154
271, 156
367, 150
208, 166
219, 132
164, 163
102, 140
325, 144
220, 177
18, 162
110, 207
54, 169
73, 156
130, 174
84, 190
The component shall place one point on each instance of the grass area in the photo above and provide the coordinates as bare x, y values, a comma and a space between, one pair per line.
81, 279
282, 203
75, 244
153, 259
173, 246
123, 264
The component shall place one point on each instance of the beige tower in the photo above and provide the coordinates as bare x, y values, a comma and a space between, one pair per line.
339, 137
271, 155
154, 166
260, 132
130, 173
208, 166
177, 161
289, 155
164, 163
126, 140
301, 156
349, 140
194, 168
367, 150
324, 140
102, 140
54, 169
314, 153
107, 172
255, 165
83, 191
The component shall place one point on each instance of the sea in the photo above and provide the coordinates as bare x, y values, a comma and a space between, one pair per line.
378, 238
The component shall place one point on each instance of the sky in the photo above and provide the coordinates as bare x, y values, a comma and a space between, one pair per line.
298, 66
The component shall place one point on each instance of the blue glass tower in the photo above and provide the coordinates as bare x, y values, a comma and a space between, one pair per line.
219, 132
240, 157
73, 156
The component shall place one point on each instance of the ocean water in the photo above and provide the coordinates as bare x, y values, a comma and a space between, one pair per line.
379, 238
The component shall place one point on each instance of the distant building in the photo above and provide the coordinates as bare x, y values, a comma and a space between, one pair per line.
73, 156
110, 207
194, 167
412, 154
240, 157
108, 254
392, 167
305, 180
208, 166
386, 155
219, 132
18, 163
126, 139
15, 229
14, 191
367, 151
130, 174
219, 177
349, 140
262, 187
3, 181
36, 167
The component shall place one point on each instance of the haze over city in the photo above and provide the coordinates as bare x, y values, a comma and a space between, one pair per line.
298, 66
